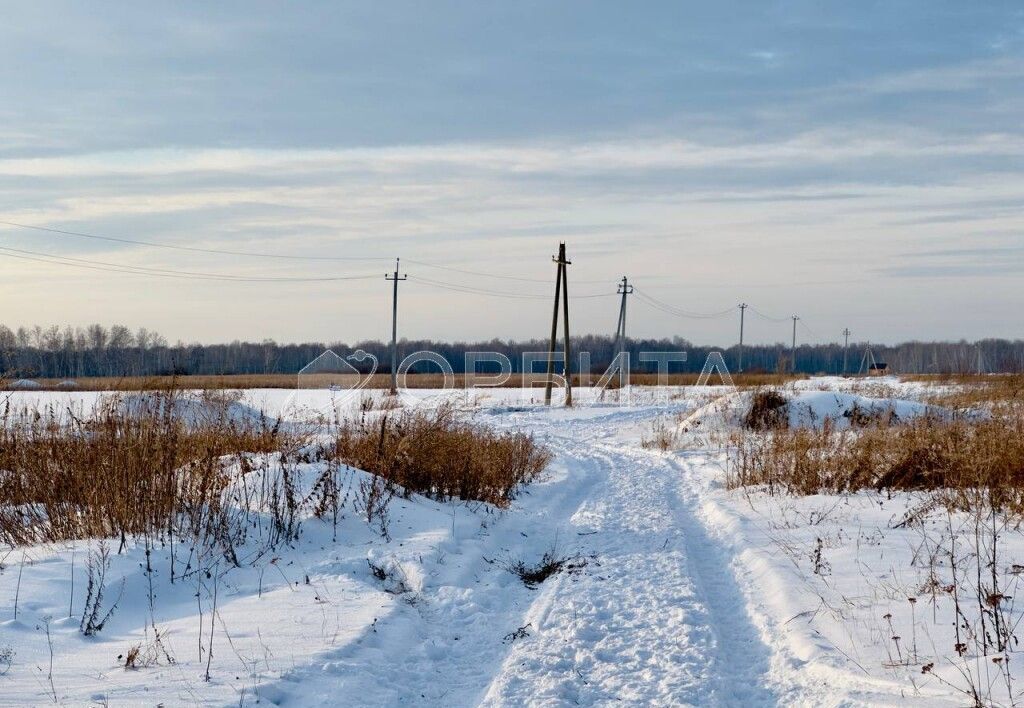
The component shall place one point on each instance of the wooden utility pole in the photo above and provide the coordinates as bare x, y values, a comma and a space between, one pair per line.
620, 329
394, 326
743, 310
567, 369
561, 292
793, 356
846, 348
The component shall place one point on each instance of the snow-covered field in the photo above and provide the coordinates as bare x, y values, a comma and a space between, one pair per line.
678, 591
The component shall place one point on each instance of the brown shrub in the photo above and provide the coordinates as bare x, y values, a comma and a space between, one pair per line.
769, 410
958, 456
124, 471
1002, 394
436, 453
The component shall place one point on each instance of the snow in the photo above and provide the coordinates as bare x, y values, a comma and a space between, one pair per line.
681, 593
812, 408
24, 385
193, 408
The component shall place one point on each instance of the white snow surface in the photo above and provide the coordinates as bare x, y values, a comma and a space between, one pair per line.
682, 593
812, 408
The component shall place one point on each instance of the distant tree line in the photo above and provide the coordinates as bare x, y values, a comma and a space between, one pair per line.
55, 352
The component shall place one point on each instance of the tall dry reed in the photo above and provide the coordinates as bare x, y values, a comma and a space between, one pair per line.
437, 453
133, 467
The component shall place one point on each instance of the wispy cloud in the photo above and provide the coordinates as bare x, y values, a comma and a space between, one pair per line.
776, 150
817, 147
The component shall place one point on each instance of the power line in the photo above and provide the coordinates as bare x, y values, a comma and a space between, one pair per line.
473, 290
661, 308
669, 309
161, 272
767, 317
810, 331
718, 284
193, 249
106, 266
672, 310
483, 274
257, 254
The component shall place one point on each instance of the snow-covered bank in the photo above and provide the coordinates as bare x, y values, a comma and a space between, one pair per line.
679, 593
856, 603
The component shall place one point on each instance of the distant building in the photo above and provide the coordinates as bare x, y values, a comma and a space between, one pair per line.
878, 368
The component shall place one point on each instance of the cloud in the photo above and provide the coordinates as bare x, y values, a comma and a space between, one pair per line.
813, 148
954, 270
713, 152
949, 78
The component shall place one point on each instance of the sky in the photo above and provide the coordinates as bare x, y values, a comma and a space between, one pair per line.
859, 165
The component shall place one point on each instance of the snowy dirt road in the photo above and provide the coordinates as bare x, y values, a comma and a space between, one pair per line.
660, 621
653, 616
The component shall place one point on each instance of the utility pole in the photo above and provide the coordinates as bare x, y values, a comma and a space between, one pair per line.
567, 369
561, 292
846, 348
394, 326
867, 362
743, 311
620, 329
793, 357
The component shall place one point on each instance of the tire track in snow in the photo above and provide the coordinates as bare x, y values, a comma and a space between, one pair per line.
441, 647
661, 620
744, 660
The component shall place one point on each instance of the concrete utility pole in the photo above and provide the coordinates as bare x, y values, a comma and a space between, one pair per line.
620, 329
793, 358
846, 348
561, 291
743, 311
394, 326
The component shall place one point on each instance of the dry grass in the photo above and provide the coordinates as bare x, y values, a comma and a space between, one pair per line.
968, 472
170, 465
436, 453
769, 410
1002, 394
233, 382
664, 435
551, 563
378, 381
690, 379
957, 457
961, 379
124, 472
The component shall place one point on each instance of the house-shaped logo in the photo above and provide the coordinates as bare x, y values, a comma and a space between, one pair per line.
330, 371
